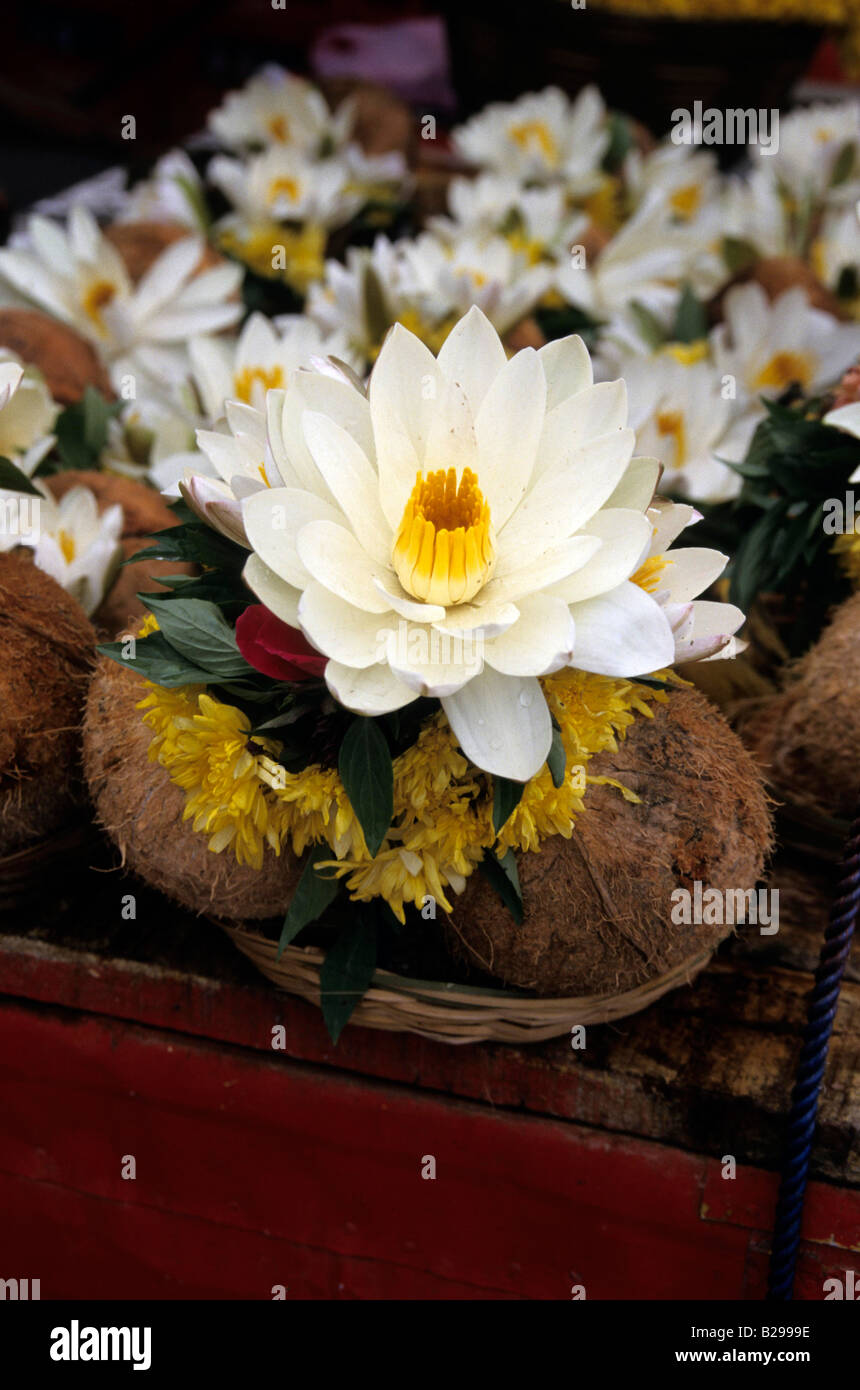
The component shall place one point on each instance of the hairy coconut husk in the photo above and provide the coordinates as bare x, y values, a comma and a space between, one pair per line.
598, 906
776, 274
141, 810
144, 510
807, 735
141, 243
527, 333
46, 647
122, 609
67, 361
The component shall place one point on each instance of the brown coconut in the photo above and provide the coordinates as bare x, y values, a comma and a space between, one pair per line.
141, 243
598, 906
806, 736
776, 274
144, 512
67, 361
141, 810
47, 645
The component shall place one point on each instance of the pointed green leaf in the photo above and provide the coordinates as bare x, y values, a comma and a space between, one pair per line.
365, 768
313, 895
347, 972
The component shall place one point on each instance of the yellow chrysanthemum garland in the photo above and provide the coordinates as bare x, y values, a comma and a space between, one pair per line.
243, 799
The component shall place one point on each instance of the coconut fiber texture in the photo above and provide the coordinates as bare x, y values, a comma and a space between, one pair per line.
807, 736
141, 810
598, 906
47, 645
67, 361
144, 512
141, 243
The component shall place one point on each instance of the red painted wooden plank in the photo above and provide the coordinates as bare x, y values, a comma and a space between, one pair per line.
520, 1205
831, 1217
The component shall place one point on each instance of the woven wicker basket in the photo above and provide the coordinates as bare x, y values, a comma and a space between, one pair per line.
30, 874
456, 1013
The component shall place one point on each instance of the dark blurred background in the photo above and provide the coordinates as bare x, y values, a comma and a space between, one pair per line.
70, 70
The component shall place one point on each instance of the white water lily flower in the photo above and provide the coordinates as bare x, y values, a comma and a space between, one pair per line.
27, 414
682, 180
766, 346
536, 222
754, 211
681, 417
172, 193
277, 108
540, 137
472, 524
283, 185
836, 248
264, 355
79, 277
703, 630
814, 142
72, 543
445, 278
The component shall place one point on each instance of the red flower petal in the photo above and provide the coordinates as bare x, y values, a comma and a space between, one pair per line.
275, 648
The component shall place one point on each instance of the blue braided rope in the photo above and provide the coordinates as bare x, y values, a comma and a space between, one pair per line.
810, 1069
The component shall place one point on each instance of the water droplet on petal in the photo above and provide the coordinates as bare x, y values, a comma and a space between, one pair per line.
481, 723
496, 742
526, 698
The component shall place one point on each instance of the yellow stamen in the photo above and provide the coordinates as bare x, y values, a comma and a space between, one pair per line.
444, 550
688, 354
283, 186
670, 423
99, 295
685, 201
67, 546
245, 380
650, 572
278, 128
784, 368
535, 136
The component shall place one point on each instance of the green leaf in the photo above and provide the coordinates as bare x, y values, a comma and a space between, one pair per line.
195, 542
843, 164
620, 142
738, 254
196, 200
649, 325
14, 480
155, 660
347, 972
691, 319
365, 768
557, 760
82, 429
502, 874
507, 795
312, 896
848, 284
377, 315
199, 631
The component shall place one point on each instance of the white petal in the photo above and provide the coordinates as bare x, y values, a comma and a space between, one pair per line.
690, 571
280, 598
375, 690
333, 556
508, 429
622, 633
541, 572
502, 724
542, 641
352, 481
451, 439
340, 631
405, 386
567, 367
273, 520
600, 410
472, 355
624, 534
638, 484
487, 620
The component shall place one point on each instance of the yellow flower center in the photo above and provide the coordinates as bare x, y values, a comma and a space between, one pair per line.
283, 187
670, 424
444, 550
278, 128
67, 546
245, 380
685, 201
535, 136
99, 295
688, 354
650, 572
784, 368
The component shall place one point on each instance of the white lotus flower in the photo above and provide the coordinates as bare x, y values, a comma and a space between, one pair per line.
172, 193
282, 185
766, 346
471, 525
680, 416
682, 180
836, 248
277, 108
27, 414
72, 543
754, 211
536, 222
80, 278
813, 142
539, 137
